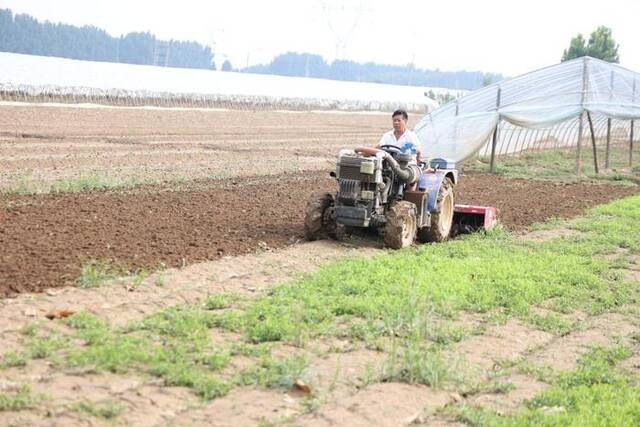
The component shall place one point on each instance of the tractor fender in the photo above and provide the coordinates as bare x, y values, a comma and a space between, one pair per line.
431, 181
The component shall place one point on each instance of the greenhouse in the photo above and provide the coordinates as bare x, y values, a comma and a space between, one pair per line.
580, 103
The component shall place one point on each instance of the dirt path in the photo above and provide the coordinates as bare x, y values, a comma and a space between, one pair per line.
343, 374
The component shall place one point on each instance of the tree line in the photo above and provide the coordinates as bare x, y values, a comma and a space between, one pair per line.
310, 65
22, 33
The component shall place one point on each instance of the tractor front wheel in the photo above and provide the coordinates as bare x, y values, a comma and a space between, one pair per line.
315, 224
400, 226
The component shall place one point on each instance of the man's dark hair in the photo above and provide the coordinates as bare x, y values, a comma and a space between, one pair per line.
402, 113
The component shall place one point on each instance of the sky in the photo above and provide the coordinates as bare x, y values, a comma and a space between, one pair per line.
501, 36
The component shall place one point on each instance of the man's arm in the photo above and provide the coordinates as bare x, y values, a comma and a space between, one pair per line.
418, 153
416, 143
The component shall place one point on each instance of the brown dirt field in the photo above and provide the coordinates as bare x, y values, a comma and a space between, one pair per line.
46, 238
218, 183
40, 146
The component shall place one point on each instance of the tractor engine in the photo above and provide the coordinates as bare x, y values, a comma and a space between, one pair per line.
367, 184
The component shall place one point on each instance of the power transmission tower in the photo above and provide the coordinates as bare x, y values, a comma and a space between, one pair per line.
341, 36
161, 53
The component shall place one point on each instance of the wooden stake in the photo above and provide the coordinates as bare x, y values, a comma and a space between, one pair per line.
593, 143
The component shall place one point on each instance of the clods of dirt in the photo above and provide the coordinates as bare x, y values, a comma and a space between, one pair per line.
45, 239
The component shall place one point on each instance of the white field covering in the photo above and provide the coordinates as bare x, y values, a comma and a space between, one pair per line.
549, 103
40, 75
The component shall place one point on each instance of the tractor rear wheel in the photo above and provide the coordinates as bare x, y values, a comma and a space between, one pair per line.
315, 226
400, 227
442, 218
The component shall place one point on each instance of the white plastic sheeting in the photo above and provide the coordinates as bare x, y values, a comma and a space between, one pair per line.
545, 99
40, 76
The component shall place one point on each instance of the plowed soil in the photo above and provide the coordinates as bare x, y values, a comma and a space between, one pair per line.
211, 184
45, 239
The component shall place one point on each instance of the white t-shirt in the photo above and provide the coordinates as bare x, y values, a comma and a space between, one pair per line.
408, 136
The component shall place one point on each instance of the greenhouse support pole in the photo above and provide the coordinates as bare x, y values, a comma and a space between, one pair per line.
579, 148
593, 143
608, 149
607, 153
631, 144
494, 142
631, 130
580, 124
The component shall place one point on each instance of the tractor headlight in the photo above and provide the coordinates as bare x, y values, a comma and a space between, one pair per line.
367, 195
367, 168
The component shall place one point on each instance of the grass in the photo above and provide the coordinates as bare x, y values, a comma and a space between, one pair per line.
220, 301
413, 362
12, 359
551, 322
16, 400
106, 410
384, 295
27, 184
174, 345
595, 394
96, 273
400, 302
274, 373
559, 165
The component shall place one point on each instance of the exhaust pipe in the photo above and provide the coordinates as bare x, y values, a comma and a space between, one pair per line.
408, 174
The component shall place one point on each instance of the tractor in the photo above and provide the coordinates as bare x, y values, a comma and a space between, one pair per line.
375, 189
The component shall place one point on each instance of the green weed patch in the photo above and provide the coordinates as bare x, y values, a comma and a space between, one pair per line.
16, 400
595, 394
560, 164
486, 272
401, 302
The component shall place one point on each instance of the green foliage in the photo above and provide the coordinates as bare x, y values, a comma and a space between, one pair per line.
480, 273
273, 373
106, 410
551, 322
601, 45
173, 344
220, 301
595, 394
414, 362
577, 48
596, 367
559, 165
42, 347
17, 400
11, 359
95, 273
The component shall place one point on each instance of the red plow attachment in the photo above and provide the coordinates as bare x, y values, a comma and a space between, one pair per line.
468, 218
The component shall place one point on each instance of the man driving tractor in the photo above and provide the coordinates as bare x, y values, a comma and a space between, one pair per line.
406, 140
401, 137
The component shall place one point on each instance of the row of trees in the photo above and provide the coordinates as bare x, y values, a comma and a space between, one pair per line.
24, 34
309, 65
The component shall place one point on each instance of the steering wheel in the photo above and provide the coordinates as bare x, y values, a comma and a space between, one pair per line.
390, 148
